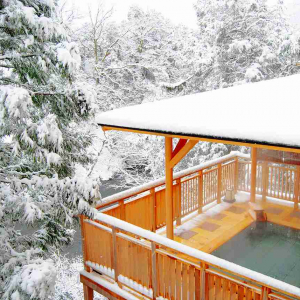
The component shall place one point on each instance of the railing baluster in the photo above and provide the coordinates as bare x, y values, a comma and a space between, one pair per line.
115, 255
296, 187
200, 191
203, 282
154, 272
219, 183
153, 209
264, 180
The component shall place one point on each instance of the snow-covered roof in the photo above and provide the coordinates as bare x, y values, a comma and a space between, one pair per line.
266, 113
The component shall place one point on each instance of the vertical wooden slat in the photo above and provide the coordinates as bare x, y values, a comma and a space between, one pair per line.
253, 173
184, 282
211, 286
248, 294
178, 200
167, 276
218, 288
161, 275
172, 275
281, 189
200, 191
197, 284
153, 210
154, 270
265, 177
296, 187
240, 293
115, 255
191, 292
233, 294
225, 289
122, 210
178, 280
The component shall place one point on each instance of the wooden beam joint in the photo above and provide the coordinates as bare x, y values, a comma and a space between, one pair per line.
182, 149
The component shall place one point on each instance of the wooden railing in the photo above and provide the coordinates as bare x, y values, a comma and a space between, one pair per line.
192, 189
196, 187
272, 180
153, 266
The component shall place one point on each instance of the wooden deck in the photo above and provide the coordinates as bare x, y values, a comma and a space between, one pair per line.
217, 225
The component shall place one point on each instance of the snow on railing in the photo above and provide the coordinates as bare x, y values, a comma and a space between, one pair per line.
161, 181
242, 277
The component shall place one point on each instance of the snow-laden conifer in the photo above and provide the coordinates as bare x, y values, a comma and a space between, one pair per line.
41, 107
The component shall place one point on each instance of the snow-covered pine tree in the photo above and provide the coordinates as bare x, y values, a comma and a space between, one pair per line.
251, 40
41, 107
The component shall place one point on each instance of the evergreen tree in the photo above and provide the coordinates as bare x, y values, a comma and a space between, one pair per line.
42, 105
251, 40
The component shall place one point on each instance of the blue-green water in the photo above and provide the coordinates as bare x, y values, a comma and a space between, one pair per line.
268, 248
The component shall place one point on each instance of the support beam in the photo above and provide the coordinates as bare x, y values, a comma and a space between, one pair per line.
182, 152
253, 173
179, 146
169, 188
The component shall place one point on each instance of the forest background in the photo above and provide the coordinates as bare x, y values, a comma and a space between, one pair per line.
59, 68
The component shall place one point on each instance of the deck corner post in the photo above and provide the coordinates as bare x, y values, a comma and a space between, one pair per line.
219, 195
169, 188
153, 209
84, 246
265, 180
296, 188
253, 173
200, 191
178, 201
88, 293
236, 174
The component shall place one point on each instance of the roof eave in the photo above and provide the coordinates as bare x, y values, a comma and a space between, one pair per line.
205, 138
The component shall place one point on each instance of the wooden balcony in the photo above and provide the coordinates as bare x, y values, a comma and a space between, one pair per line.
127, 255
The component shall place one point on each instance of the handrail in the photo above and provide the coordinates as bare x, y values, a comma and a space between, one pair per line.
221, 264
161, 181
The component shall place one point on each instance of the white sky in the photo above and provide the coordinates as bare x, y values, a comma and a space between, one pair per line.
178, 11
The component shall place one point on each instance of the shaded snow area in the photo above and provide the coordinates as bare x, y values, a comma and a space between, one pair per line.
248, 112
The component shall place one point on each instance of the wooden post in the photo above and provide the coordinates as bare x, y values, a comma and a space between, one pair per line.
178, 200
87, 291
154, 273
219, 183
296, 187
169, 188
236, 174
200, 191
265, 180
153, 210
253, 173
115, 255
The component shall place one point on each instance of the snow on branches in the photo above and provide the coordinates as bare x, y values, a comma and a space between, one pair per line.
42, 109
